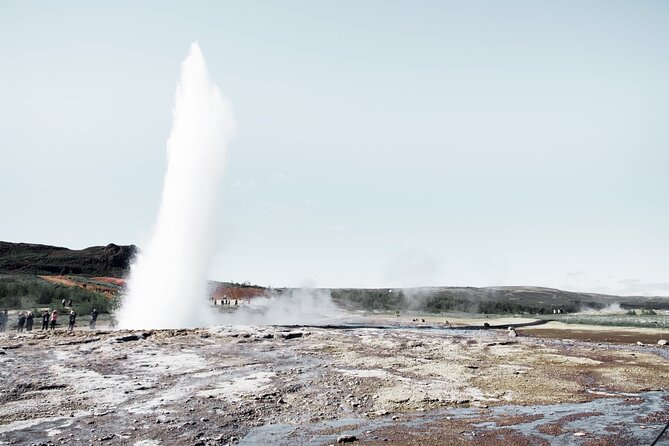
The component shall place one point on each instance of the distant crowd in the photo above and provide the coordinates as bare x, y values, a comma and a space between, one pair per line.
25, 320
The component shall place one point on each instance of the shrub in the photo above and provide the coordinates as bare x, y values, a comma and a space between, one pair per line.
10, 302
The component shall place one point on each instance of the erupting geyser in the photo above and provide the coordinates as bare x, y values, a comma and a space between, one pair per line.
168, 282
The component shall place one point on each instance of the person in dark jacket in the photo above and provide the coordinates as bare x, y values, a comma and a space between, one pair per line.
94, 318
3, 320
73, 319
29, 321
45, 320
22, 321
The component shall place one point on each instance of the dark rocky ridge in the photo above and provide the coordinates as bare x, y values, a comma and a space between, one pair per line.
27, 258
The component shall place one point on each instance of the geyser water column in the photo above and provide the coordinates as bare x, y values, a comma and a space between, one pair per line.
167, 287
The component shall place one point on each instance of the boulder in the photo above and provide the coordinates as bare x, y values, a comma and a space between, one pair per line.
132, 337
292, 335
347, 439
662, 342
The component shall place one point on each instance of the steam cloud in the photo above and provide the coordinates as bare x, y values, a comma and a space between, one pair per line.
168, 284
296, 306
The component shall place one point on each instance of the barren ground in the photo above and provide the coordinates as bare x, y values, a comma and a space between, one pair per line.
409, 384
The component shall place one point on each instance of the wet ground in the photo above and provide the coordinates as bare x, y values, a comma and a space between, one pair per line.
399, 383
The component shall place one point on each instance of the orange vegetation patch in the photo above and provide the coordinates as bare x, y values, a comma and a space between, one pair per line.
60, 280
238, 293
96, 284
112, 280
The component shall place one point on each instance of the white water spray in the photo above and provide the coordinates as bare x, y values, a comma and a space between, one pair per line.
168, 284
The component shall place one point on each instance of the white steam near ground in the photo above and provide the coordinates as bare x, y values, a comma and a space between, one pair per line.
167, 287
293, 307
613, 308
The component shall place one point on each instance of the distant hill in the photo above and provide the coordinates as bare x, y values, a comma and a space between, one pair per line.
96, 269
508, 299
27, 258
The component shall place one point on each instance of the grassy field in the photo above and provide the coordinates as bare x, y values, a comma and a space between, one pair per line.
629, 319
28, 292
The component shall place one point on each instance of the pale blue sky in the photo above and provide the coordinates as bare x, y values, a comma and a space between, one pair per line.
379, 143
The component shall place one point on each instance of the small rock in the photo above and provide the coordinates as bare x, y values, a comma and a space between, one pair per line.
639, 343
513, 333
660, 342
133, 337
347, 439
292, 335
579, 434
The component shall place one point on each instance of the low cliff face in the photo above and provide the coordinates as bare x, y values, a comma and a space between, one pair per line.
111, 260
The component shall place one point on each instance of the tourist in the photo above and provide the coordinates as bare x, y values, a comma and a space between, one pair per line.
69, 303
29, 321
45, 320
3, 320
63, 302
73, 318
94, 318
22, 321
54, 319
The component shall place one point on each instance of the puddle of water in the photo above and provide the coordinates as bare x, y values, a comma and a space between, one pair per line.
609, 412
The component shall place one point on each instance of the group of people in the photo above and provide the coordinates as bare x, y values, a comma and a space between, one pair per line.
49, 319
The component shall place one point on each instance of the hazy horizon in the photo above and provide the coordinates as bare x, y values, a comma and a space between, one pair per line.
382, 144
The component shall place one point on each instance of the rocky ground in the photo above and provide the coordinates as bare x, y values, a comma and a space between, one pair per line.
408, 383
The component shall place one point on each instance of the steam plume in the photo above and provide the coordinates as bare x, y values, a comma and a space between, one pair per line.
168, 283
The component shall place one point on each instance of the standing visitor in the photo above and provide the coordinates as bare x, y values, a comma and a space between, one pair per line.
22, 321
3, 320
29, 321
54, 319
73, 318
94, 318
45, 320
